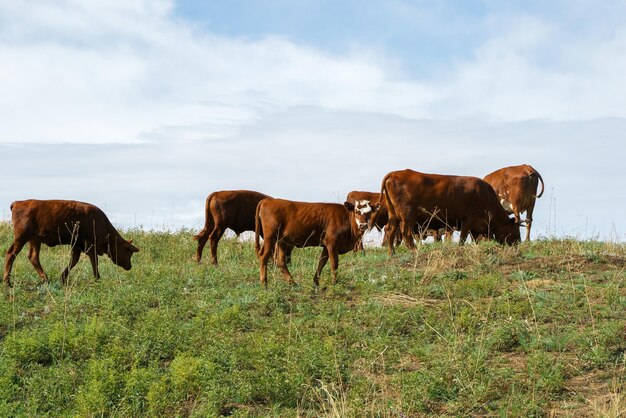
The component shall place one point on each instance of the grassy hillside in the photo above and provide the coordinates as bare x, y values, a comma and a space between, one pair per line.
534, 330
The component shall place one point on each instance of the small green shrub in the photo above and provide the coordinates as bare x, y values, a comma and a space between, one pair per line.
509, 335
546, 374
102, 388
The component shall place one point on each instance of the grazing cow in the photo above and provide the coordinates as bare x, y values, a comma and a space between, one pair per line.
434, 201
516, 187
65, 222
286, 224
379, 218
234, 209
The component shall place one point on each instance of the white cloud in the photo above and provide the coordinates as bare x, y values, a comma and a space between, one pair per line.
531, 69
112, 73
127, 71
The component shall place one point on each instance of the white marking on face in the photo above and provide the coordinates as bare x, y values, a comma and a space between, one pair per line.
361, 209
363, 206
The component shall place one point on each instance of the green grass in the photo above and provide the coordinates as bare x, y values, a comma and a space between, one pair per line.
533, 330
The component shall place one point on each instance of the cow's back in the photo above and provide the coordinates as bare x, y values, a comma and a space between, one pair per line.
303, 224
235, 209
448, 198
56, 222
516, 184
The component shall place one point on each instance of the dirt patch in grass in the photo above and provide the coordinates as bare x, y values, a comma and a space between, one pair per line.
515, 360
383, 386
409, 363
393, 298
590, 395
539, 283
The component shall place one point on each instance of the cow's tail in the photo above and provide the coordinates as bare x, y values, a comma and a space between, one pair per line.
540, 179
384, 197
209, 223
257, 228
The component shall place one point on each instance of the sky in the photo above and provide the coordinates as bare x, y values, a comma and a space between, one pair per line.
144, 107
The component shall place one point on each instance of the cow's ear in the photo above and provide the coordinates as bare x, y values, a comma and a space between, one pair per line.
348, 206
375, 207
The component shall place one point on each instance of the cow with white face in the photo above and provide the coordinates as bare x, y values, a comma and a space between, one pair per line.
285, 224
378, 218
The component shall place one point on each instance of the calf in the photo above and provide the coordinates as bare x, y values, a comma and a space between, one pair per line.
65, 222
516, 187
286, 224
434, 201
379, 218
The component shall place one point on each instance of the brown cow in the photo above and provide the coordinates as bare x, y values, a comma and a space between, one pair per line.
286, 224
65, 222
434, 201
516, 187
234, 209
379, 218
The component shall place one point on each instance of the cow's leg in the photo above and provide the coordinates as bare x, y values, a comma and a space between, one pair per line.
529, 222
265, 254
288, 251
93, 257
516, 214
465, 229
320, 266
529, 218
359, 245
12, 252
398, 237
203, 237
73, 261
214, 238
33, 256
281, 260
390, 233
333, 254
407, 233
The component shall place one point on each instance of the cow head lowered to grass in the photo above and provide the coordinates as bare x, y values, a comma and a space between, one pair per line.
65, 222
467, 204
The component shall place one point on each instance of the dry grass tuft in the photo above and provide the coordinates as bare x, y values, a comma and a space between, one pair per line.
394, 299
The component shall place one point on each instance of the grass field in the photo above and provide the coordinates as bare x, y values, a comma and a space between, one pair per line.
479, 330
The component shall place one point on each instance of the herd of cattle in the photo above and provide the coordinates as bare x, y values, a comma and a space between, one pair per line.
409, 204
